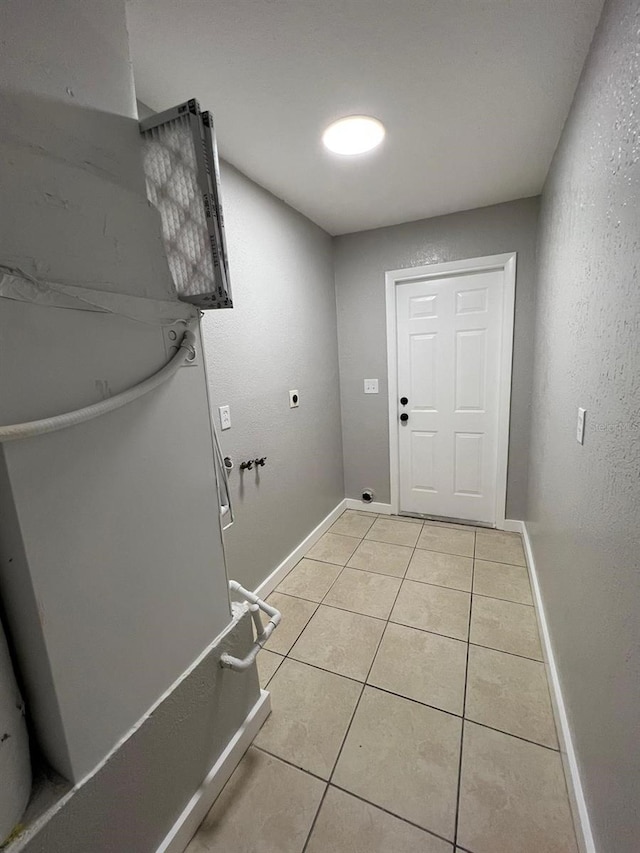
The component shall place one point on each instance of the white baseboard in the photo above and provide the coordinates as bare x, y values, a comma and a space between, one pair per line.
196, 809
572, 774
512, 525
383, 509
278, 574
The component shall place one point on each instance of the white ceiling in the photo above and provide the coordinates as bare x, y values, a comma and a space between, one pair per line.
473, 93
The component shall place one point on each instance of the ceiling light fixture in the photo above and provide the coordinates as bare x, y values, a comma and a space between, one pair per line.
353, 135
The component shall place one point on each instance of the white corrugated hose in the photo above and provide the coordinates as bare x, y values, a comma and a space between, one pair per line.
186, 351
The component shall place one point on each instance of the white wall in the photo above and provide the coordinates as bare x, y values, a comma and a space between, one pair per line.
111, 569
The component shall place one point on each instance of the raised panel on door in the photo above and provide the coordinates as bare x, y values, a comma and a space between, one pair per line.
423, 460
468, 464
470, 370
423, 366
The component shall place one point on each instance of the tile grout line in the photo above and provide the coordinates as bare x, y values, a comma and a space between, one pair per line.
359, 797
414, 701
397, 577
362, 799
387, 621
357, 705
328, 783
464, 701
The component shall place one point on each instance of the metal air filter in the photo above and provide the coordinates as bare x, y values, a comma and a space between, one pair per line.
183, 183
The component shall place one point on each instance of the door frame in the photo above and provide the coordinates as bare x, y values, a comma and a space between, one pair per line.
393, 278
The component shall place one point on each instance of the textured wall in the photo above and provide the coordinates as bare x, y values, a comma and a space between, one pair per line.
584, 502
361, 262
280, 335
132, 801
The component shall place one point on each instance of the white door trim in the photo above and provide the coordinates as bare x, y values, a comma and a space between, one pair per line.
506, 262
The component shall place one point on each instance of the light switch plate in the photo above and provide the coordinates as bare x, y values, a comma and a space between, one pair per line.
370, 386
580, 427
225, 417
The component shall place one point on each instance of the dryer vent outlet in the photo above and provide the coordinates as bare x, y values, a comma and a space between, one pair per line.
367, 496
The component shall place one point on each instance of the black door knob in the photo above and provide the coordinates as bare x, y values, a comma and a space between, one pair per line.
404, 400
404, 417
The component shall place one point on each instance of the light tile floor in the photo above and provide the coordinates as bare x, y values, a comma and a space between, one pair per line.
411, 712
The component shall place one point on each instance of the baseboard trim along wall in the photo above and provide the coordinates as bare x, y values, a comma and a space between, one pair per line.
196, 809
280, 572
572, 774
354, 503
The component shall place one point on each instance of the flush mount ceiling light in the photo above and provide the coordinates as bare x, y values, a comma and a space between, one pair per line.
353, 135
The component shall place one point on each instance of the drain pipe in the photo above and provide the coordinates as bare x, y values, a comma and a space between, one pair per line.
255, 605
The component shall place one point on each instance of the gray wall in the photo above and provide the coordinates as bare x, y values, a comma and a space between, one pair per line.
583, 509
136, 796
361, 262
280, 335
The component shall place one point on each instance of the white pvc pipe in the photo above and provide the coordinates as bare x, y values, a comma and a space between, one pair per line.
242, 664
186, 351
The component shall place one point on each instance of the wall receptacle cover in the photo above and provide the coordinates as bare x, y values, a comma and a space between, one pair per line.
294, 399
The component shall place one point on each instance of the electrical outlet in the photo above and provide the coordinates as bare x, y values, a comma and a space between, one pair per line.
294, 399
172, 336
370, 386
225, 417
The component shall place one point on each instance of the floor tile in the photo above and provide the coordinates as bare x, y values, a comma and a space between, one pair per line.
364, 592
513, 797
421, 666
506, 626
353, 523
441, 569
310, 579
311, 711
394, 532
433, 608
381, 557
499, 546
295, 614
346, 823
511, 694
403, 757
500, 580
266, 806
332, 548
268, 663
447, 540
342, 642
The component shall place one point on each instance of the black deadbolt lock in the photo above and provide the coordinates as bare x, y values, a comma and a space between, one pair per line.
404, 400
404, 417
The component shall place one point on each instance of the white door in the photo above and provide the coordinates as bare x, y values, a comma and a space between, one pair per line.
449, 339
